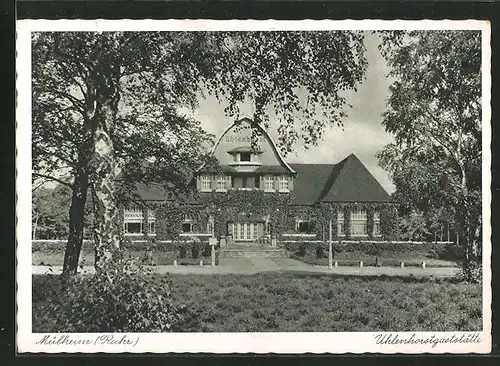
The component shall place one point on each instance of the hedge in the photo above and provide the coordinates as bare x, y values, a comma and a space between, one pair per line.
181, 249
445, 251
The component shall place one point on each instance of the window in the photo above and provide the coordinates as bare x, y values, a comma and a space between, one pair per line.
376, 224
340, 223
283, 183
358, 223
305, 227
221, 182
133, 221
268, 183
205, 183
187, 224
151, 222
187, 227
244, 183
245, 156
257, 181
133, 227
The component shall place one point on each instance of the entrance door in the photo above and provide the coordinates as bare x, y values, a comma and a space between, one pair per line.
244, 231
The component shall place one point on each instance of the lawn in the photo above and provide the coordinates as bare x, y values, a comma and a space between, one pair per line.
277, 302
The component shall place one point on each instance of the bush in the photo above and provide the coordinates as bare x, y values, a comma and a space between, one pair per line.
472, 273
183, 252
450, 252
320, 252
302, 250
126, 299
195, 250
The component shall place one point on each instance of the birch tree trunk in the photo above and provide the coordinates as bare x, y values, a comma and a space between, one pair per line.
103, 171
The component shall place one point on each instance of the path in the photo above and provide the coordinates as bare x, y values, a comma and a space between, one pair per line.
257, 265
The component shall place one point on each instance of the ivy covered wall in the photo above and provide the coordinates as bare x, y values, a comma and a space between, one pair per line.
282, 213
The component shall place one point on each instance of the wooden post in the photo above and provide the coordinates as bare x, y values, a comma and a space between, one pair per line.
336, 264
360, 264
212, 242
175, 262
201, 262
402, 264
213, 255
330, 247
423, 264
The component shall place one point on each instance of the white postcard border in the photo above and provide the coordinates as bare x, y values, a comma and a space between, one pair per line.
335, 342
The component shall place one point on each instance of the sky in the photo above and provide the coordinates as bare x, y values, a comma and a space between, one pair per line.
363, 133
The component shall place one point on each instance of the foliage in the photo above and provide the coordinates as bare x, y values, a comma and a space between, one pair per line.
292, 302
413, 227
403, 250
434, 114
128, 299
50, 213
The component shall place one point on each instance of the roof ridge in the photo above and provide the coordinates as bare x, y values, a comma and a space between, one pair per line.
332, 177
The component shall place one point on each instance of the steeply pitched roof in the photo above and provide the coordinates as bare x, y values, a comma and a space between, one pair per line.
347, 181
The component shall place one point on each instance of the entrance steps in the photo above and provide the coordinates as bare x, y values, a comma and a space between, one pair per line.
251, 251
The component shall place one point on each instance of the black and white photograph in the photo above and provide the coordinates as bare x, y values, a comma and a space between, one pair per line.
253, 186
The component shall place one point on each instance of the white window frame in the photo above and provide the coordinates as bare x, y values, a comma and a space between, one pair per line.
133, 215
268, 183
283, 183
221, 183
205, 183
359, 222
340, 223
377, 231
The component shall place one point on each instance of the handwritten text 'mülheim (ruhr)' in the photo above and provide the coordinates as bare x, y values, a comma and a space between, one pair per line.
397, 339
104, 339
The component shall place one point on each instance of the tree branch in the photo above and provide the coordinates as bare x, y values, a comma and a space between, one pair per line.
48, 177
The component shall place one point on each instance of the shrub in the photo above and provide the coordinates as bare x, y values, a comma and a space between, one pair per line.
302, 250
451, 252
195, 250
472, 273
127, 299
320, 251
183, 252
207, 251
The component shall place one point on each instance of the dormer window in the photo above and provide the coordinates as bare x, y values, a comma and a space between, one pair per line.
245, 156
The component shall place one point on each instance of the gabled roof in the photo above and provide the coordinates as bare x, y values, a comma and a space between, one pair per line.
346, 181
262, 130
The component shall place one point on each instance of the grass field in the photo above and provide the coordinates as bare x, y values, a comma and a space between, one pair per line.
275, 302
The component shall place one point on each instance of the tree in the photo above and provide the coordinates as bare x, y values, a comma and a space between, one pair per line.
50, 212
105, 100
434, 114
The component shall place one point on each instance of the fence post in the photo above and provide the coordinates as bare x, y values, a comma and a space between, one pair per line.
402, 264
330, 247
423, 264
360, 264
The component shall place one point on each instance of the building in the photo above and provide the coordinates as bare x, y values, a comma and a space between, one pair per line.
252, 196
